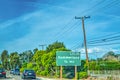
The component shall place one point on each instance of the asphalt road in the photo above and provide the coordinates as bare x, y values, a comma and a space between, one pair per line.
15, 77
18, 77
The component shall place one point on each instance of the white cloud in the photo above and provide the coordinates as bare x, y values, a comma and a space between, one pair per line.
20, 19
96, 51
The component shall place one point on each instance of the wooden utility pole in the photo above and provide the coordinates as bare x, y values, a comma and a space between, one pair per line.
42, 45
84, 34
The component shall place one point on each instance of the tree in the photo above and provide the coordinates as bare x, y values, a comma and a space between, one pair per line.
45, 61
111, 53
110, 56
26, 56
29, 55
5, 59
37, 59
14, 60
55, 45
35, 50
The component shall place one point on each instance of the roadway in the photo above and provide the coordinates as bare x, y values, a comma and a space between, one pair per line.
16, 77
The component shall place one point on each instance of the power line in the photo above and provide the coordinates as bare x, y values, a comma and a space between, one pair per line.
105, 44
93, 7
112, 38
97, 38
102, 41
108, 5
62, 34
76, 45
66, 28
105, 41
97, 4
62, 30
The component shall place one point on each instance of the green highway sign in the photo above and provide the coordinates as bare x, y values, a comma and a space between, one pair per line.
68, 58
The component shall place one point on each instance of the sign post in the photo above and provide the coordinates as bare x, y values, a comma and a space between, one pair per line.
68, 58
60, 72
75, 72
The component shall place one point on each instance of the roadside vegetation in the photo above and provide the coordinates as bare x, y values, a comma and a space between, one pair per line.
44, 62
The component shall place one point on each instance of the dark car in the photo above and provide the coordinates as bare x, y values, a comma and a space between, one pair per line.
2, 73
28, 74
16, 72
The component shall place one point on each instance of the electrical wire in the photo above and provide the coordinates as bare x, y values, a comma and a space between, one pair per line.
82, 13
101, 37
70, 29
67, 29
111, 38
106, 44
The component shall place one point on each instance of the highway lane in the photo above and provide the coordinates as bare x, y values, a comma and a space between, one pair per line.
15, 77
8, 76
18, 77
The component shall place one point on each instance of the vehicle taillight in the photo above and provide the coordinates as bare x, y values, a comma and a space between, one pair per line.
3, 72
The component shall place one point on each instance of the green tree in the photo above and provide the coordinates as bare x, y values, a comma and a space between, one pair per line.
110, 56
14, 60
111, 53
55, 45
26, 56
5, 59
37, 59
45, 61
35, 50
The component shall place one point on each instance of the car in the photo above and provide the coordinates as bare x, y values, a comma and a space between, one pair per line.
28, 73
11, 71
2, 72
16, 72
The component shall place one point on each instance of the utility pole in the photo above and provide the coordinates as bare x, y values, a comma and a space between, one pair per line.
84, 33
42, 45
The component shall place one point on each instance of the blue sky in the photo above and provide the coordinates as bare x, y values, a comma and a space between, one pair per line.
25, 24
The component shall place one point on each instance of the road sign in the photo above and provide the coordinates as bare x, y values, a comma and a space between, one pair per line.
68, 58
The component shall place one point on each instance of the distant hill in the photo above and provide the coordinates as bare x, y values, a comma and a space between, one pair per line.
111, 56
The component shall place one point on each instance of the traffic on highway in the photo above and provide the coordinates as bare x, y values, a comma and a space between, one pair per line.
15, 74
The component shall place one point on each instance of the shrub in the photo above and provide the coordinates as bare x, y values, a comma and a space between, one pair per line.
29, 65
22, 69
82, 75
44, 73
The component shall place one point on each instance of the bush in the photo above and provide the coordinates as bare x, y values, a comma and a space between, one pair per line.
35, 69
22, 69
29, 66
38, 72
43, 73
82, 75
